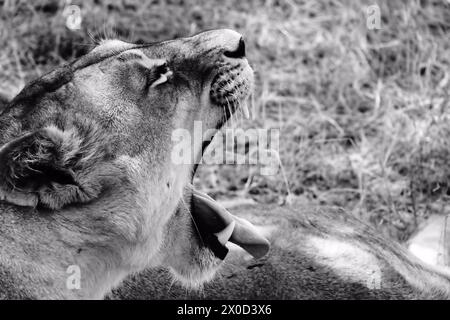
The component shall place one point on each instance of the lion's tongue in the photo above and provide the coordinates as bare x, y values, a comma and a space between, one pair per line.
226, 226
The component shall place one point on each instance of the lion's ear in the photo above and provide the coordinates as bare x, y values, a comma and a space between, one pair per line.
50, 167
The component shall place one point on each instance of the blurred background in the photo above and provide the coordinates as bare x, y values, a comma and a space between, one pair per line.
363, 111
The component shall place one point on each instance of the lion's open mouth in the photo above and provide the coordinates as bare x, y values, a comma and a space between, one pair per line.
229, 89
215, 225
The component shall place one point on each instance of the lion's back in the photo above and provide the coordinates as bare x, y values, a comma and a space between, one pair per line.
304, 262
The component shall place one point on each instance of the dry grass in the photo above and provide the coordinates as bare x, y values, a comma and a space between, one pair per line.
363, 114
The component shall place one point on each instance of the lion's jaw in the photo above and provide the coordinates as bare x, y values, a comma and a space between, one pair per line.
200, 101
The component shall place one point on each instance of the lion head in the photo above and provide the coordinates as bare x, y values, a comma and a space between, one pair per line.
91, 144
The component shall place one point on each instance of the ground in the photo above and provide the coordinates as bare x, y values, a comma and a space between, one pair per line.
363, 112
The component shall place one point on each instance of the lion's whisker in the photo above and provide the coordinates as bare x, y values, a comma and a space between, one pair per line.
193, 220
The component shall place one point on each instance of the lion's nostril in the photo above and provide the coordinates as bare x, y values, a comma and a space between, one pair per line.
239, 52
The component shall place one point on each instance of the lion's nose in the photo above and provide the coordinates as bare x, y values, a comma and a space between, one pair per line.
237, 53
226, 41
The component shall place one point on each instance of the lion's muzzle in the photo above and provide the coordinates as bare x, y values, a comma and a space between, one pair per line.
233, 77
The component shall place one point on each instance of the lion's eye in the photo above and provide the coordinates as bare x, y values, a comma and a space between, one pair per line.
159, 75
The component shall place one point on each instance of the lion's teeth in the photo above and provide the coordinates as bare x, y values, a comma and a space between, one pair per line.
225, 235
246, 111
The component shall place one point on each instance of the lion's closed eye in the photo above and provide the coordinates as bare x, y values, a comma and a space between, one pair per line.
138, 70
159, 75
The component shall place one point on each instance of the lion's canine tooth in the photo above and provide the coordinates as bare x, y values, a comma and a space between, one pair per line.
246, 111
225, 235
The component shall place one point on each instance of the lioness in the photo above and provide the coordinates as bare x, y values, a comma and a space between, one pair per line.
316, 253
88, 188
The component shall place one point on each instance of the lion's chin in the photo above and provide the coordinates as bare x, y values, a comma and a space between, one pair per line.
194, 276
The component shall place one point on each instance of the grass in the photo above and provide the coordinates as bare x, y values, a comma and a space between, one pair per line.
363, 114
